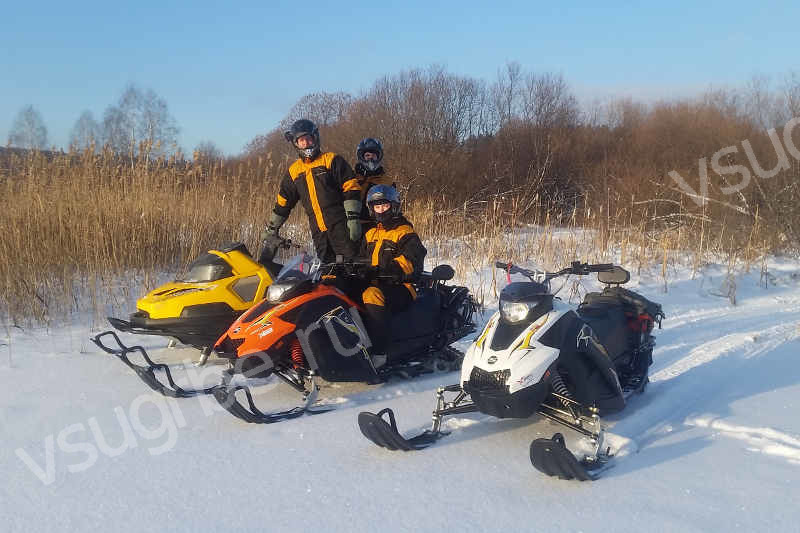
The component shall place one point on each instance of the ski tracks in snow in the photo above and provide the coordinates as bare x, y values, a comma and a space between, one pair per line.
705, 363
764, 440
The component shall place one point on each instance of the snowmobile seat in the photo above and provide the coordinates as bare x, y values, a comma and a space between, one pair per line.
616, 276
606, 316
413, 327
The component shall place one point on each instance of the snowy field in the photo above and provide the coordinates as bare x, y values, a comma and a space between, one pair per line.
712, 445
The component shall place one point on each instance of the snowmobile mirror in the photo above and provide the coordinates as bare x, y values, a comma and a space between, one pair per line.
615, 276
443, 273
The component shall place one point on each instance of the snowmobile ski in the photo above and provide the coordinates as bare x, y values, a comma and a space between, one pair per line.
376, 429
385, 434
225, 394
553, 458
147, 373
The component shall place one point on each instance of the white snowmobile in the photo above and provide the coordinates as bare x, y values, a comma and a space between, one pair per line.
540, 355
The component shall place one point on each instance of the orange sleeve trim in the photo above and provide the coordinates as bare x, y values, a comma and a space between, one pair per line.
281, 200
351, 185
405, 264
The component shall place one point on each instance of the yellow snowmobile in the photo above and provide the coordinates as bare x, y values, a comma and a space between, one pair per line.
219, 286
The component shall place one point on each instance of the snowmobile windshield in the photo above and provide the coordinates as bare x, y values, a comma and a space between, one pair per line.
208, 267
300, 266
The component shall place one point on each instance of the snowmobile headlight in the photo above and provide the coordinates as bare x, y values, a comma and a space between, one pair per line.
514, 312
276, 291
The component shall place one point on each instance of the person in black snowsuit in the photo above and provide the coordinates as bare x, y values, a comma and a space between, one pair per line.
329, 192
397, 255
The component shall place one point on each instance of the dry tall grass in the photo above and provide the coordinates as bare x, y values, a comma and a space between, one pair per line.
81, 229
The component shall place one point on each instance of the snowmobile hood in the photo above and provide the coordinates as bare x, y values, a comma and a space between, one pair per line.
524, 361
267, 323
247, 284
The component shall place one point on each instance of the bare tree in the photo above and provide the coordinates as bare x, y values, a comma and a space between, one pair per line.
28, 130
208, 149
140, 116
791, 93
547, 102
321, 108
506, 91
207, 153
85, 133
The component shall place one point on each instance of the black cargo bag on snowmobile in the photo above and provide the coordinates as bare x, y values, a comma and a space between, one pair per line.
622, 319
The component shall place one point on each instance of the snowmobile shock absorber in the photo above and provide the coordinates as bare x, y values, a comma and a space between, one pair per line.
297, 354
560, 388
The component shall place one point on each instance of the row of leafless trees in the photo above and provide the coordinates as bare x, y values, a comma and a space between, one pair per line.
526, 140
140, 116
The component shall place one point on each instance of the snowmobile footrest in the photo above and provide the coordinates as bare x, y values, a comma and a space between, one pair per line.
385, 434
551, 457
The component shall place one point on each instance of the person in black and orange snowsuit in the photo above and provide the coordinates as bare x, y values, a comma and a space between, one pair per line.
397, 254
329, 192
369, 171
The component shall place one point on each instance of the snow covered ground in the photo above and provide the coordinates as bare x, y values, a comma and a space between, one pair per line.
713, 444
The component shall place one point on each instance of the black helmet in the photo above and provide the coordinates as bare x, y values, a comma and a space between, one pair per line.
369, 145
383, 193
304, 127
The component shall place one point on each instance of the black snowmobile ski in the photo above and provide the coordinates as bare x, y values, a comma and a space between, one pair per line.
551, 457
147, 373
225, 394
386, 435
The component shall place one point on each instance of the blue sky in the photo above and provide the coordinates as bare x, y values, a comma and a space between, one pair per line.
231, 72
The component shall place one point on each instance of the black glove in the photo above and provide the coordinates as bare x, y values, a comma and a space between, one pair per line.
392, 273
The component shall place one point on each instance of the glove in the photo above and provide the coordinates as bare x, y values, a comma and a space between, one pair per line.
275, 223
392, 273
354, 229
352, 209
269, 246
269, 233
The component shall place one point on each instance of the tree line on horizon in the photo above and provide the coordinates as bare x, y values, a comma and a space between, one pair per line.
524, 140
139, 116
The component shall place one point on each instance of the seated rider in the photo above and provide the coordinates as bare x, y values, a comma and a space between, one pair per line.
398, 255
369, 171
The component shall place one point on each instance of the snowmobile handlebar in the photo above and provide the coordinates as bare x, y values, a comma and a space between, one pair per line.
577, 268
355, 268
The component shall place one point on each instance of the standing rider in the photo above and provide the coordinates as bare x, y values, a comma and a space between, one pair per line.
369, 170
398, 255
329, 191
